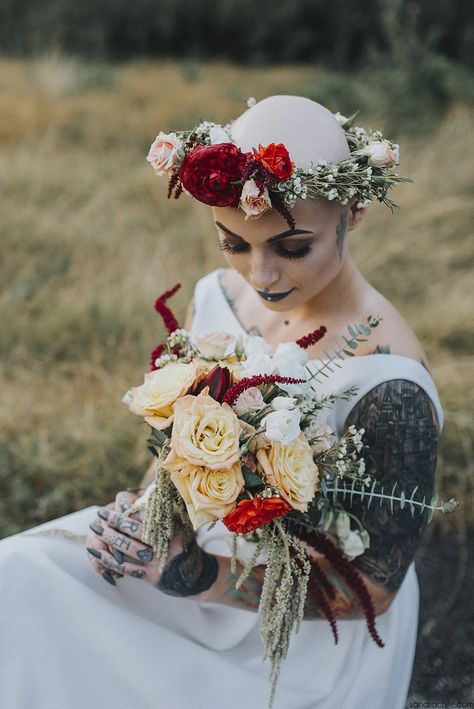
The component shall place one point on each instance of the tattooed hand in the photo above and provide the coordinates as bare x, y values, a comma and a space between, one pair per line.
114, 544
115, 548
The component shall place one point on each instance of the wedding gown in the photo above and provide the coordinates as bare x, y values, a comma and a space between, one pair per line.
70, 640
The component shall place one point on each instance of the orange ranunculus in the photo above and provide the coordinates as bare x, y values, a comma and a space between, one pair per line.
276, 159
254, 513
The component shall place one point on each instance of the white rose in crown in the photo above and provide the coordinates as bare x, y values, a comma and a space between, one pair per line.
258, 363
253, 203
381, 153
214, 344
217, 134
282, 425
163, 153
253, 344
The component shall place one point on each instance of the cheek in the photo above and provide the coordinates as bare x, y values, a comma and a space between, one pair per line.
319, 267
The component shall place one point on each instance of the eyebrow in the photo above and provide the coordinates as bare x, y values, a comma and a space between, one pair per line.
277, 237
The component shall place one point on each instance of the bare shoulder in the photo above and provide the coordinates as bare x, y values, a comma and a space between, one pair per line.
393, 335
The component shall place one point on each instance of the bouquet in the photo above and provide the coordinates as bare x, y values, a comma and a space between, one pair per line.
240, 437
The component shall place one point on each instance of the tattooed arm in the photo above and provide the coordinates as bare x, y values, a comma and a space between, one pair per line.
401, 432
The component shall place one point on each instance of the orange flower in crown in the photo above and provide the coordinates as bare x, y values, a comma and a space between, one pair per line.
276, 159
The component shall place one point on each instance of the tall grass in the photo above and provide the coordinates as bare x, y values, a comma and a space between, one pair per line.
88, 240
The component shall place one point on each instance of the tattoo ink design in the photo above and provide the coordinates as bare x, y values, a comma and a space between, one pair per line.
382, 349
341, 233
253, 329
138, 573
189, 573
401, 432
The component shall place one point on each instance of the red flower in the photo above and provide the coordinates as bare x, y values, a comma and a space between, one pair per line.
276, 159
218, 381
236, 389
213, 174
312, 338
254, 513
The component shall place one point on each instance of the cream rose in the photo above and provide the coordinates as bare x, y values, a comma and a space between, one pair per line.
154, 399
251, 202
209, 494
292, 470
163, 152
205, 433
214, 344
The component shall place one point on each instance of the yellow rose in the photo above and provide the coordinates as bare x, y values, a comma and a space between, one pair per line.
208, 494
154, 399
205, 433
292, 470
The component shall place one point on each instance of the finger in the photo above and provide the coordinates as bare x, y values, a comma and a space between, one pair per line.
94, 556
126, 545
126, 568
127, 525
124, 499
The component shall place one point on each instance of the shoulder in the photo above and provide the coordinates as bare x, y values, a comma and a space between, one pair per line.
393, 335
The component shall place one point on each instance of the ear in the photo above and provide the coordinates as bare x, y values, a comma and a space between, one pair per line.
354, 214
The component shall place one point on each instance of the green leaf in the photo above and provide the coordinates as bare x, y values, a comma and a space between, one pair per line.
348, 353
251, 479
363, 330
352, 331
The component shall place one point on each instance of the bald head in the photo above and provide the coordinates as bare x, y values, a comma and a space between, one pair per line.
308, 130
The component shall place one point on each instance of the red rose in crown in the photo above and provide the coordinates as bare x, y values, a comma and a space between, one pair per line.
213, 174
276, 159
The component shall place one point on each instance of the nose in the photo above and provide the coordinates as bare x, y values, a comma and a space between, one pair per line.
263, 273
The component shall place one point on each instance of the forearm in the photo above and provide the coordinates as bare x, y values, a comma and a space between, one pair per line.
345, 604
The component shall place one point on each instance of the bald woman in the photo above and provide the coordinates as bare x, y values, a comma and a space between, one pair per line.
184, 638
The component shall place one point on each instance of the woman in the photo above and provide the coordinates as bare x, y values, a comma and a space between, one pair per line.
183, 637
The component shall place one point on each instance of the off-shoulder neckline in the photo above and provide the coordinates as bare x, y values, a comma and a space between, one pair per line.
356, 358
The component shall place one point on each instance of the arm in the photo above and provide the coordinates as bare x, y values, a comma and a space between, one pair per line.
402, 434
149, 476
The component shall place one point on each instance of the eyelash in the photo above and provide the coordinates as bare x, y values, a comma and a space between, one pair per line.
284, 253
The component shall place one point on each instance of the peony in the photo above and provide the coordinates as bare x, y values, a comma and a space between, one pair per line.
282, 425
289, 366
292, 470
163, 152
250, 400
213, 173
253, 203
214, 344
276, 159
255, 513
154, 399
208, 494
381, 153
205, 433
288, 352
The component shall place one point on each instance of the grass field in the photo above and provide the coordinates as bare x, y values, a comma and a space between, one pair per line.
89, 240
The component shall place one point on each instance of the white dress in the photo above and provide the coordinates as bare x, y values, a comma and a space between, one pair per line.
70, 640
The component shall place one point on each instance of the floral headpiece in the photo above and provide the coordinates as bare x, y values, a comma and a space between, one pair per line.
205, 163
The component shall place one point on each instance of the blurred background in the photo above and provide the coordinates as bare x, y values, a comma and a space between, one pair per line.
89, 240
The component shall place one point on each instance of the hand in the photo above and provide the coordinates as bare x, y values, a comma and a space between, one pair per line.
115, 547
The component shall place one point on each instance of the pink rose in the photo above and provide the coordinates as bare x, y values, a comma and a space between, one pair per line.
250, 400
251, 202
381, 153
214, 344
163, 152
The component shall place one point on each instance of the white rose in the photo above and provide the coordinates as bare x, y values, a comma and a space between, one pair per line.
253, 203
287, 367
214, 344
218, 135
250, 400
254, 344
352, 545
322, 432
283, 402
292, 352
282, 426
258, 364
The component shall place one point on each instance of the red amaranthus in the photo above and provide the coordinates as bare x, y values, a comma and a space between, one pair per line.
236, 389
169, 321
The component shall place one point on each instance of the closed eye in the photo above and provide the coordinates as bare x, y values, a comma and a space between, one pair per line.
236, 249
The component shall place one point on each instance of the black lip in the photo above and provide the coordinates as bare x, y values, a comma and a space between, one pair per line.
272, 297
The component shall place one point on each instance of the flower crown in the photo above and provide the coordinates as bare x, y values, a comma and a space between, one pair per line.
205, 163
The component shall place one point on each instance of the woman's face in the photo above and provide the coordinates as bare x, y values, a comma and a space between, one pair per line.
294, 266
